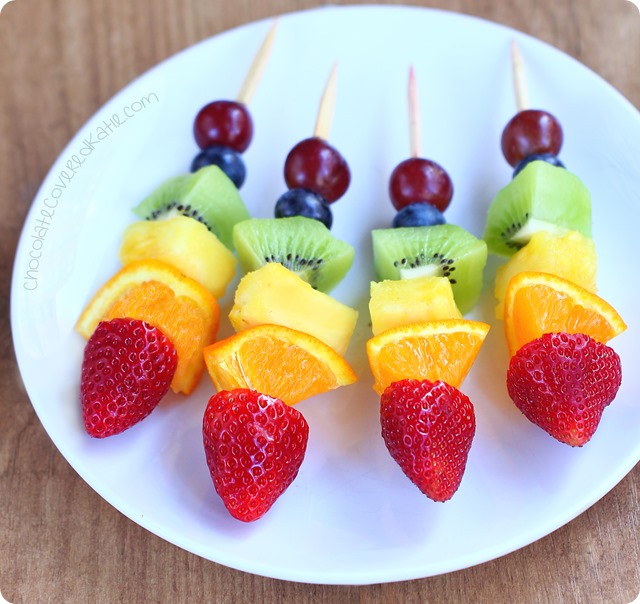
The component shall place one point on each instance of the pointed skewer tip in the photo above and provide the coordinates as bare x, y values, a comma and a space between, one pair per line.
327, 106
256, 69
519, 79
415, 134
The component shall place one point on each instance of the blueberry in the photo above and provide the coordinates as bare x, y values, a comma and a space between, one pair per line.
228, 160
550, 158
302, 202
418, 213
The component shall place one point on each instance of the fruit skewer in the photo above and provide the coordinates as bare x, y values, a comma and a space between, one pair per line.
422, 347
290, 334
561, 374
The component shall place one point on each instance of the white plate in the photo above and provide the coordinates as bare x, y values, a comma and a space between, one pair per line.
351, 517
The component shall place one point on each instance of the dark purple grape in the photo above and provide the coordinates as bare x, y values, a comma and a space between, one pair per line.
225, 123
303, 202
548, 157
418, 179
416, 214
228, 160
530, 132
315, 165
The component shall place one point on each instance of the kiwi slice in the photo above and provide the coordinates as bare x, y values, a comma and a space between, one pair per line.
540, 198
444, 250
303, 245
208, 196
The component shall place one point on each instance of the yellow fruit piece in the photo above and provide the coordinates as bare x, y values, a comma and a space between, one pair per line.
278, 361
155, 292
184, 243
538, 303
571, 256
404, 301
274, 295
433, 350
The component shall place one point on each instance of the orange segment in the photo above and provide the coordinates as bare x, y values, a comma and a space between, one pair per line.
155, 292
278, 361
538, 303
433, 350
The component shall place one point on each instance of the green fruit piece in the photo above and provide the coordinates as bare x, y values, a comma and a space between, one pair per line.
540, 198
444, 250
303, 245
208, 196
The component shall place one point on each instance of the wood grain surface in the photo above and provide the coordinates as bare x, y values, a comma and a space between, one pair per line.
60, 60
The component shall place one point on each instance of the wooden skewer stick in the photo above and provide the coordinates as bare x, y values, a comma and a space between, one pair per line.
257, 67
415, 133
327, 106
519, 80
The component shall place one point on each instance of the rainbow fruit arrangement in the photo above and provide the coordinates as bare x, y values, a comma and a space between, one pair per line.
152, 327
561, 374
430, 274
291, 335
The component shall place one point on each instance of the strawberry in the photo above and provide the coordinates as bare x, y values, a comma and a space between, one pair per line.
254, 445
562, 383
127, 368
428, 428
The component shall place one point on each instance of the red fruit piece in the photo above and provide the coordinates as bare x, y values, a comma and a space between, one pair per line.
226, 123
127, 368
562, 383
254, 445
531, 132
416, 179
315, 165
428, 428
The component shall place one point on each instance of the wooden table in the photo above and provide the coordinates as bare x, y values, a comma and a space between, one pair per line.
59, 540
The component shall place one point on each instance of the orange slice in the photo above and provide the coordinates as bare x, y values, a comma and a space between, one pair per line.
155, 292
278, 361
538, 303
433, 350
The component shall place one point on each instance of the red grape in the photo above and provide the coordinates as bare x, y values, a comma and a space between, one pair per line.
226, 123
418, 179
531, 132
315, 165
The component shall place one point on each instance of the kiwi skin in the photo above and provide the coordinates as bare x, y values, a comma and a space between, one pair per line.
303, 245
445, 250
207, 196
541, 197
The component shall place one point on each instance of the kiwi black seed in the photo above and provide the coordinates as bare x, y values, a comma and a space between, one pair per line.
445, 250
303, 245
207, 196
542, 197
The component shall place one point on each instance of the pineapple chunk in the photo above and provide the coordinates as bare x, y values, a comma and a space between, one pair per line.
185, 244
400, 302
571, 256
275, 295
